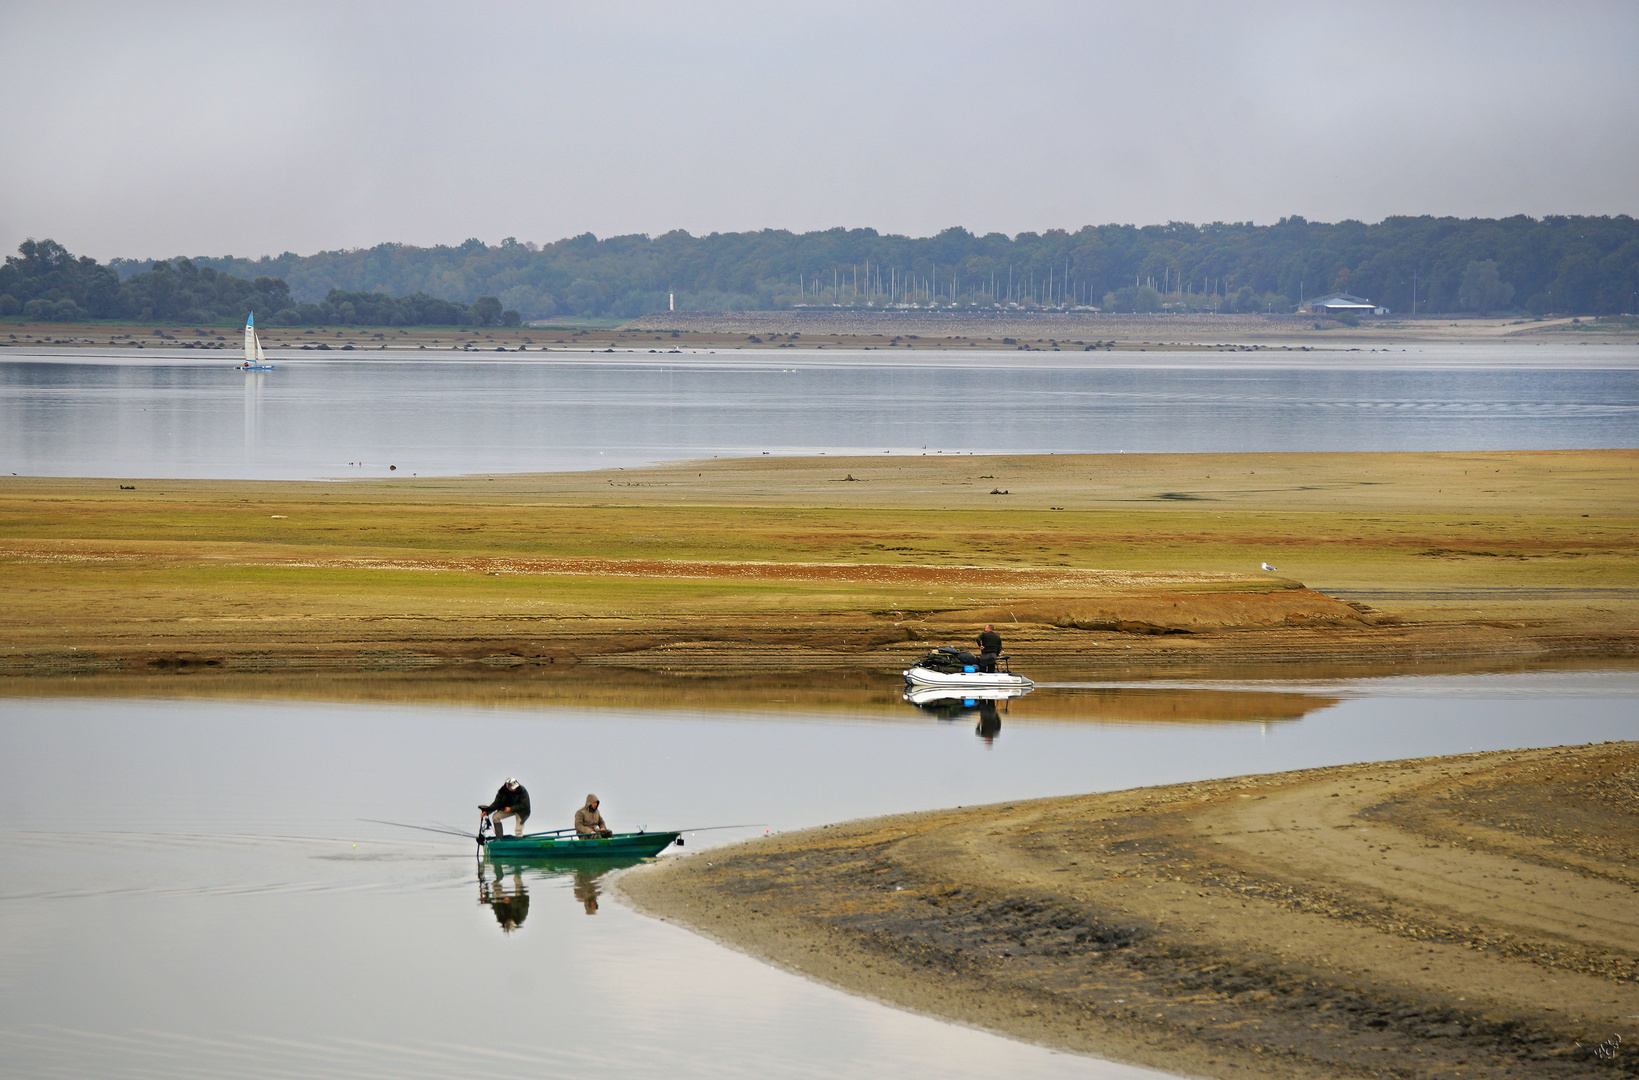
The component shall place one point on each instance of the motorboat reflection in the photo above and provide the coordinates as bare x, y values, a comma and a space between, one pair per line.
503, 886
986, 705
937, 699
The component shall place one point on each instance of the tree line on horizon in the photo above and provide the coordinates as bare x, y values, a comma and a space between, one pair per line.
1421, 265
44, 281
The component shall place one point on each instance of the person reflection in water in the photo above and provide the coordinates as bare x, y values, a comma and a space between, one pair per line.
509, 902
588, 822
990, 721
586, 889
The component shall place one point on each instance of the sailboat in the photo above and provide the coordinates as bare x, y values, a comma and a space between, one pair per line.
255, 358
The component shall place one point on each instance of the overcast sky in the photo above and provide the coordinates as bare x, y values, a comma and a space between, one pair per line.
155, 129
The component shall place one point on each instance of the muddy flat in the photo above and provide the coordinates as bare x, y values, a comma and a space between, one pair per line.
1470, 916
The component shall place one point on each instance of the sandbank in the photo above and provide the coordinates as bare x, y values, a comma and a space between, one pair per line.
1469, 916
1112, 565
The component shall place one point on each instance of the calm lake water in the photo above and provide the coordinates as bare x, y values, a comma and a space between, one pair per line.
187, 889
73, 413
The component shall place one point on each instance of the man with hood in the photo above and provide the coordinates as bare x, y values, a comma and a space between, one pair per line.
588, 822
511, 801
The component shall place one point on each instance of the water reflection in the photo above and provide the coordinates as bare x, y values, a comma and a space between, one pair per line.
1228, 693
81, 414
253, 416
990, 722
1125, 704
123, 927
503, 884
586, 887
1117, 704
507, 899
987, 705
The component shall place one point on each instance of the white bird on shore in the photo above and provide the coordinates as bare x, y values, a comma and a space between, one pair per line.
1270, 569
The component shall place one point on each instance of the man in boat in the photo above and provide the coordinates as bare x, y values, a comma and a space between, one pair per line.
588, 822
990, 647
512, 801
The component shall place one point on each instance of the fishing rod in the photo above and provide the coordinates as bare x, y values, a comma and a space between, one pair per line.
709, 828
424, 828
448, 831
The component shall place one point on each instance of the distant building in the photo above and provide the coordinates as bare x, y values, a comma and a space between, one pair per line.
1338, 303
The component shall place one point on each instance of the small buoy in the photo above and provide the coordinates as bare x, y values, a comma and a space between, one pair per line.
392, 467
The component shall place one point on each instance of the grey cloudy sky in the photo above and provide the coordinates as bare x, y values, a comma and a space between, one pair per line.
161, 128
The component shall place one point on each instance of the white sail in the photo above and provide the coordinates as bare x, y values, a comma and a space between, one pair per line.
253, 344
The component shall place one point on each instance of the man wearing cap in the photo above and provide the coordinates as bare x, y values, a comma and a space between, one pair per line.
511, 801
588, 822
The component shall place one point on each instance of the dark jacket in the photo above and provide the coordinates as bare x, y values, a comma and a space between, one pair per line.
990, 642
510, 799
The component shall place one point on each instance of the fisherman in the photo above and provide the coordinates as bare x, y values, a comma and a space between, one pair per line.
588, 822
511, 801
990, 647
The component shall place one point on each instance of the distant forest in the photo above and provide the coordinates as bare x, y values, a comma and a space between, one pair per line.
1422, 265
44, 281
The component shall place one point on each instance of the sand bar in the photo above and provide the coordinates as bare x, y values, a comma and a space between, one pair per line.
1471, 916
1099, 564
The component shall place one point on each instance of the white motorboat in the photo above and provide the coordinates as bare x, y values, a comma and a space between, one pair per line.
978, 681
958, 670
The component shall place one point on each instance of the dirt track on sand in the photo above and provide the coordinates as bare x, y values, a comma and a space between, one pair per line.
1471, 916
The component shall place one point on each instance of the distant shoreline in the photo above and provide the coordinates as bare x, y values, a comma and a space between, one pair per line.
817, 330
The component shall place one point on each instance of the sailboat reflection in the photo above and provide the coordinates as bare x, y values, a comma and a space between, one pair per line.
502, 885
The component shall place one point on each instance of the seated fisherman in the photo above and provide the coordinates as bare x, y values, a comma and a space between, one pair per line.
990, 647
512, 801
588, 822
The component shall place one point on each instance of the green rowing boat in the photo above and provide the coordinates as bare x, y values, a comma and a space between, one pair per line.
631, 845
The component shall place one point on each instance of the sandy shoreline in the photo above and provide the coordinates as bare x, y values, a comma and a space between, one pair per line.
1441, 917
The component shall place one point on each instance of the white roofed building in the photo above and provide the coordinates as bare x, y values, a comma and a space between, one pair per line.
1338, 304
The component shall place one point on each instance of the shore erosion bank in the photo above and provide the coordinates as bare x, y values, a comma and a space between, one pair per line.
1470, 916
1105, 565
